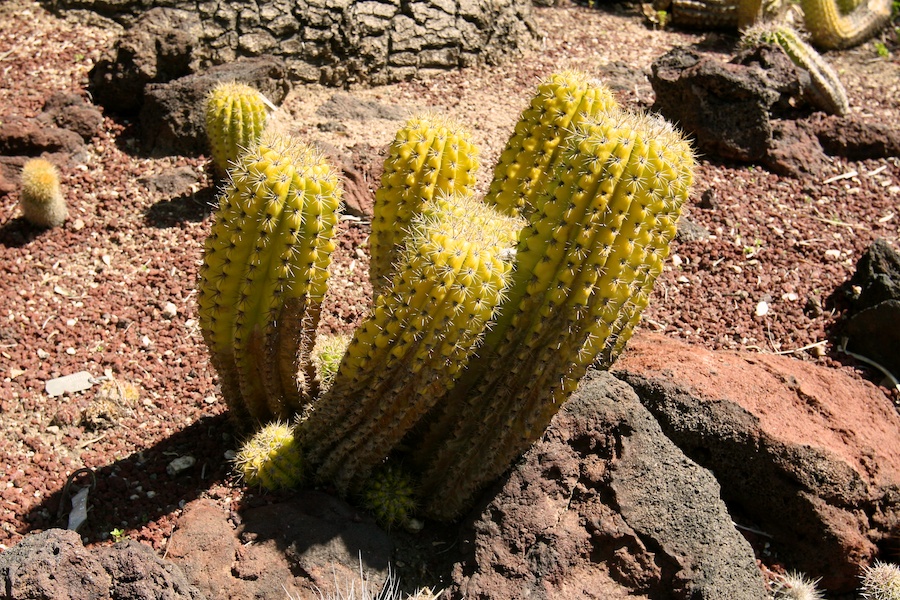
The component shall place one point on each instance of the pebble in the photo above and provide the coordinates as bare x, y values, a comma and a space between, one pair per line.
180, 465
170, 311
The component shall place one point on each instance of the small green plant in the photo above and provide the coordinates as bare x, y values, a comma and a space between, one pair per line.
881, 49
118, 535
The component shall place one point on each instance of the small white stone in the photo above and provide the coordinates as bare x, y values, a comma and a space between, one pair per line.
70, 351
71, 322
180, 465
151, 494
790, 297
762, 309
42, 354
169, 311
146, 342
230, 455
676, 261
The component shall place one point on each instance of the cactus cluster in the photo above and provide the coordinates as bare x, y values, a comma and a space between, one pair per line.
41, 199
486, 313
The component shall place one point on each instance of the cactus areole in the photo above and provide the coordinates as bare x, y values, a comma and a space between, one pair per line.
487, 313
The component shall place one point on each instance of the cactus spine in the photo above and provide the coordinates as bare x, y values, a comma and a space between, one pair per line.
235, 120
880, 581
264, 275
41, 199
429, 156
584, 269
826, 92
831, 28
408, 353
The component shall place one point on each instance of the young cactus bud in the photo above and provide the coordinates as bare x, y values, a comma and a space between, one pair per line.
532, 153
831, 28
585, 267
826, 92
264, 276
389, 494
271, 458
235, 120
327, 354
429, 156
419, 338
41, 200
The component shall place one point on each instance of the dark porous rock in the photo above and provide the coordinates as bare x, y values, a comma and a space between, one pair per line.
157, 48
296, 547
689, 231
726, 107
794, 150
55, 564
855, 137
30, 137
343, 106
71, 111
605, 506
874, 333
877, 276
173, 114
807, 454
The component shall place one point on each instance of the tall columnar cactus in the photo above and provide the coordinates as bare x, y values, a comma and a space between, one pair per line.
41, 197
563, 101
449, 282
826, 92
235, 120
584, 270
264, 275
429, 156
833, 24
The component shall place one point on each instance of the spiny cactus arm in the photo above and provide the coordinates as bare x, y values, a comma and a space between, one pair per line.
830, 28
430, 155
827, 91
634, 183
562, 101
235, 119
265, 273
421, 335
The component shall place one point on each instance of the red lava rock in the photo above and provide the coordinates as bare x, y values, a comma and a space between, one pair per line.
810, 454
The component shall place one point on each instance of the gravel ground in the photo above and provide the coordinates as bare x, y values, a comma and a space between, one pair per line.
113, 293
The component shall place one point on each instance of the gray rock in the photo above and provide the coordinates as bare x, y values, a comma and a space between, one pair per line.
159, 47
337, 43
877, 275
55, 564
173, 114
72, 112
605, 506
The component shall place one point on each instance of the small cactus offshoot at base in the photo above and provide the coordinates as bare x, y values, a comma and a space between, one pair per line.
271, 458
390, 495
41, 198
880, 581
235, 120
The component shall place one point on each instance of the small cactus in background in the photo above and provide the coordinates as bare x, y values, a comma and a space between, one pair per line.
271, 458
429, 156
880, 581
796, 586
827, 92
836, 24
264, 275
235, 120
390, 496
327, 354
41, 198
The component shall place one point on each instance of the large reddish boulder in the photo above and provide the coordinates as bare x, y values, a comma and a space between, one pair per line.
809, 454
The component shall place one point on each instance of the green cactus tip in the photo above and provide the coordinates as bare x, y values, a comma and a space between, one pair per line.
390, 496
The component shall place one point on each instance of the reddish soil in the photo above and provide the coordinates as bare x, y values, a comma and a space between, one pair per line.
112, 292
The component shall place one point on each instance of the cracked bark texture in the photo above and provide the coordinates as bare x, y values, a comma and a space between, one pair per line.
345, 42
